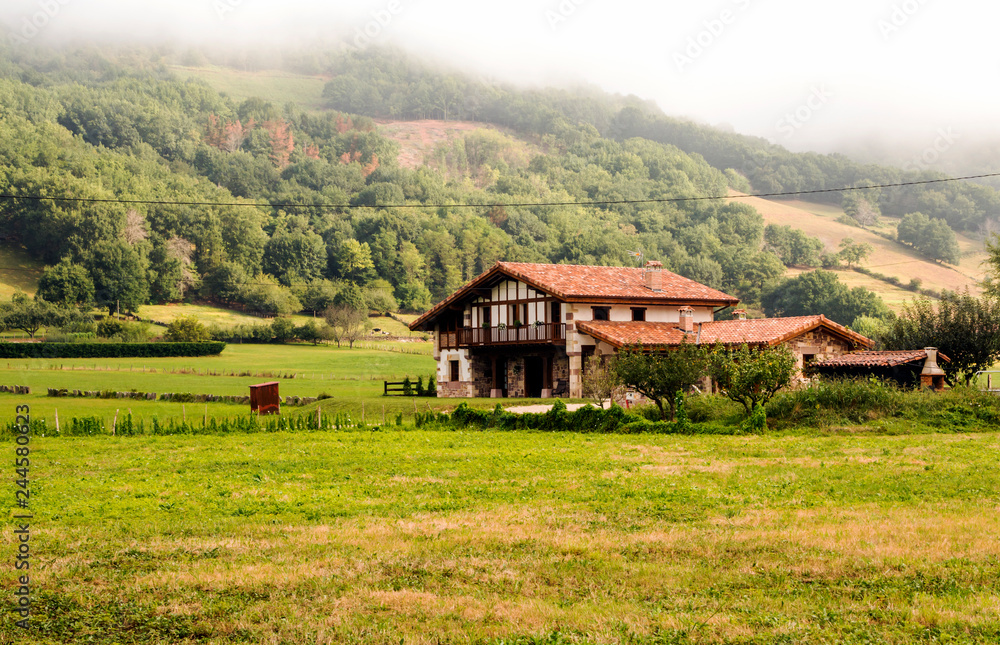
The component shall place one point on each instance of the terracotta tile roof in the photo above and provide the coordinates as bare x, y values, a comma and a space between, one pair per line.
760, 331
569, 281
577, 283
878, 359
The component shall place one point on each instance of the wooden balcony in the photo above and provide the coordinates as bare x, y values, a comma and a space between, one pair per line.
544, 334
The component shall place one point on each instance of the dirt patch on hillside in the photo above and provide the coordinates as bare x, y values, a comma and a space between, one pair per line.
418, 138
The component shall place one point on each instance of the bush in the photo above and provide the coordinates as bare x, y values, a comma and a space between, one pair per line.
109, 350
186, 329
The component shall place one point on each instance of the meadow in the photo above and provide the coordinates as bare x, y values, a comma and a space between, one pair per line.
500, 538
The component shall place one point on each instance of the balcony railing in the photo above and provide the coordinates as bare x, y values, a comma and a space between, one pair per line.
547, 333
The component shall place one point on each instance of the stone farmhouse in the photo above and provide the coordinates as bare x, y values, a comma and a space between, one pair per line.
526, 330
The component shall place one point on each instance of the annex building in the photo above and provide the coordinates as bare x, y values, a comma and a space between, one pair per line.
526, 330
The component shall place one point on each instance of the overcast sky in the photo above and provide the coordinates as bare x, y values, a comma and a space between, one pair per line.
798, 72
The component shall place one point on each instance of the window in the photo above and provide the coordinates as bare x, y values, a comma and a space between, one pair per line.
454, 371
638, 314
808, 358
602, 313
556, 312
487, 316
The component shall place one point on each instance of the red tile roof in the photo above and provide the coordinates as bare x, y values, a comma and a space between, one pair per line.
760, 331
573, 282
877, 359
576, 283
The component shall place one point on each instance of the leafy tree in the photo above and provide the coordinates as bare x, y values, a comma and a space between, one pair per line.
963, 327
751, 377
301, 254
119, 275
283, 330
30, 315
821, 292
318, 296
792, 246
352, 297
854, 253
66, 284
660, 375
931, 237
309, 332
186, 329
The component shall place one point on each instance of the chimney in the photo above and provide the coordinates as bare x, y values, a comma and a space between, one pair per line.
740, 314
932, 376
687, 320
653, 275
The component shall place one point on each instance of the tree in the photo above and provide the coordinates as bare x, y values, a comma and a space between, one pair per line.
751, 377
283, 330
30, 315
864, 210
348, 324
599, 381
119, 275
854, 253
659, 375
964, 328
186, 329
931, 237
792, 246
66, 284
821, 292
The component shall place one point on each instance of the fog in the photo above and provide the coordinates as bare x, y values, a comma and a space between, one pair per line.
873, 77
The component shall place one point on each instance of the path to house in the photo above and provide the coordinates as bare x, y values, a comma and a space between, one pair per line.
545, 408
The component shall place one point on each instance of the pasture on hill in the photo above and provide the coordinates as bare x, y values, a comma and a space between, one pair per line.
889, 258
18, 271
482, 537
276, 86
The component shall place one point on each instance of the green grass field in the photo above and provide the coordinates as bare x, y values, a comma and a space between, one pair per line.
352, 377
457, 537
276, 86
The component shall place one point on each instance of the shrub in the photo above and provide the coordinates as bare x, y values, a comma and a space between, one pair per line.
108, 350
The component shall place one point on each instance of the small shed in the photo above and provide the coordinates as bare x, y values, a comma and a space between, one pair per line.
264, 398
905, 367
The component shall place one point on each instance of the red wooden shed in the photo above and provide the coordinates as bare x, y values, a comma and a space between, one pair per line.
264, 398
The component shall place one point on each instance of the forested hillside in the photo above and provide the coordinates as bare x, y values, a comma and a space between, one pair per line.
285, 207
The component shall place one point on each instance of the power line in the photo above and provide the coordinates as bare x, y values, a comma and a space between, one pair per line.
608, 202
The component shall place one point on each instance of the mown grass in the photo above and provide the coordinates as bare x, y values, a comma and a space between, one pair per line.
427, 537
350, 377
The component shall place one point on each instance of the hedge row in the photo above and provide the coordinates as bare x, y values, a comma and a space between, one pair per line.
587, 419
109, 350
181, 397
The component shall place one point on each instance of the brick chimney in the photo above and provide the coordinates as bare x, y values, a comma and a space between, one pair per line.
687, 320
932, 376
653, 275
740, 314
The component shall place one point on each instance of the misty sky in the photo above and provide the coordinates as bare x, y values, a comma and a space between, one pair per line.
804, 74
